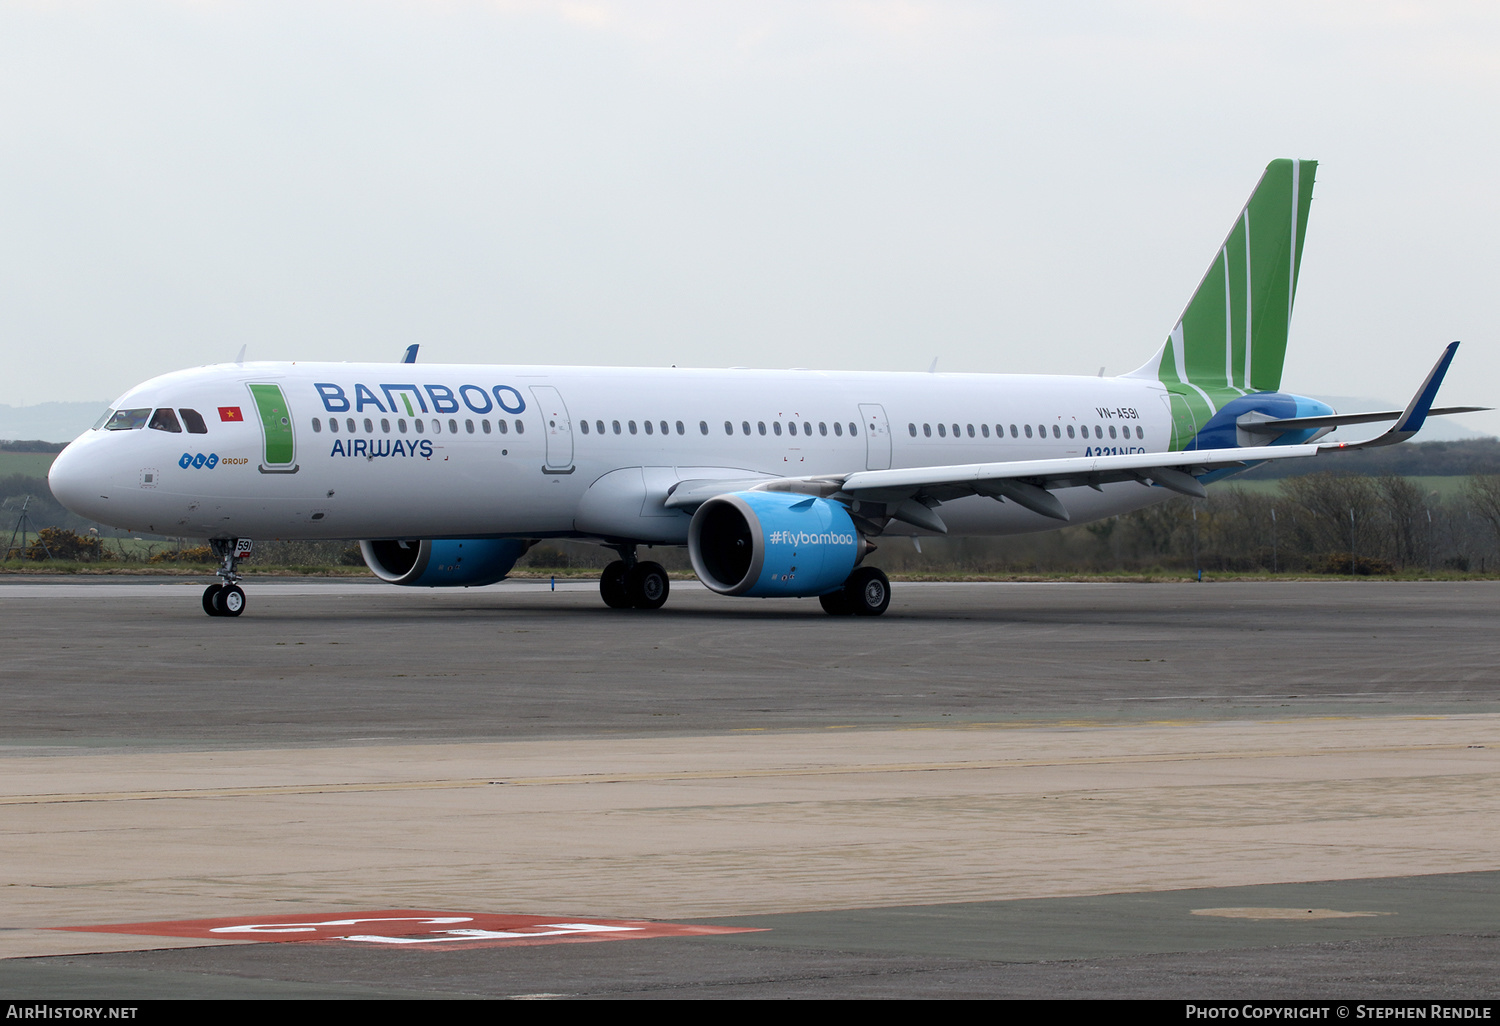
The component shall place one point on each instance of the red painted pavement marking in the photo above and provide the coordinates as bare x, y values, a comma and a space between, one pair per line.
414, 928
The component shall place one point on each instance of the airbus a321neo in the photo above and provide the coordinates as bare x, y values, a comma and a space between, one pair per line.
778, 482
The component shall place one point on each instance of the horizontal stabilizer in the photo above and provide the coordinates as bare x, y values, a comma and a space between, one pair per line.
1277, 425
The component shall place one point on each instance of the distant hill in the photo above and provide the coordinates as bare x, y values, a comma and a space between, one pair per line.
1410, 459
54, 422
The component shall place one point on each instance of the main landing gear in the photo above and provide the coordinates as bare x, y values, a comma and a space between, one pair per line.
226, 598
626, 584
867, 592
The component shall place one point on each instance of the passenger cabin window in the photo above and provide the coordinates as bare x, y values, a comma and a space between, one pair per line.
317, 424
165, 420
193, 420
128, 420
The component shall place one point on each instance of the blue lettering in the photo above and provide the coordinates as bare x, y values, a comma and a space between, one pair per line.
380, 447
442, 399
338, 448
330, 395
359, 447
403, 389
364, 397
464, 390
199, 460
427, 449
398, 449
520, 403
213, 460
185, 461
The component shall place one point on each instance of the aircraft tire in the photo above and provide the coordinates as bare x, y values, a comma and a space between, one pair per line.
868, 591
210, 597
648, 585
612, 586
836, 603
231, 601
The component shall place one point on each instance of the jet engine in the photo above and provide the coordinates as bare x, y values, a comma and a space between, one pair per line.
773, 543
443, 564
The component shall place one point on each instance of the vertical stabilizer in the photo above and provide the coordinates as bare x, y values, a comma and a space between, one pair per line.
1232, 337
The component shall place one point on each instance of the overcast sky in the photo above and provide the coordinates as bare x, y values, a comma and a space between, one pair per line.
1019, 187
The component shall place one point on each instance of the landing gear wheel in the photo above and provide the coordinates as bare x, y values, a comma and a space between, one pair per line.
230, 601
836, 604
612, 586
647, 585
210, 598
868, 591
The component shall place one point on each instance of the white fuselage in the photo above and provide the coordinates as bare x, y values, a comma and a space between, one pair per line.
472, 451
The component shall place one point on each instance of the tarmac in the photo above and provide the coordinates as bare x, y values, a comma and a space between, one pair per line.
1183, 791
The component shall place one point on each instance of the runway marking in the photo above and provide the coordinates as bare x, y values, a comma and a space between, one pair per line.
1284, 913
719, 774
444, 931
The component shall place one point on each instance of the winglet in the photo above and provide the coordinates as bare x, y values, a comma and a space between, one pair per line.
1415, 414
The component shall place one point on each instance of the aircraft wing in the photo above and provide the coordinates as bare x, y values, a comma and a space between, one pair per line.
910, 494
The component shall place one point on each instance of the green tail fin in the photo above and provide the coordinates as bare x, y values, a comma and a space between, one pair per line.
1231, 339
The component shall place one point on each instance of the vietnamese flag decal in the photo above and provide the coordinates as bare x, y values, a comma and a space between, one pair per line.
230, 413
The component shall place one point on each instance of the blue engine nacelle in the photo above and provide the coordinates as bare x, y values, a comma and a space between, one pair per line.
773, 543
443, 564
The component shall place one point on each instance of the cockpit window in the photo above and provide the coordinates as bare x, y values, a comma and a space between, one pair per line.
194, 422
103, 419
165, 420
127, 420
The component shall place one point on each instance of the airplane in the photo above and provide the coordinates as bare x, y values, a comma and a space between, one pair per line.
777, 482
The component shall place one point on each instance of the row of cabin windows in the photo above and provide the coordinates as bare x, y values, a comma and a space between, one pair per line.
1015, 432
351, 425
162, 420
652, 427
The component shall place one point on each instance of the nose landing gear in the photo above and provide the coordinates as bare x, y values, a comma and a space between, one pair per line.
227, 598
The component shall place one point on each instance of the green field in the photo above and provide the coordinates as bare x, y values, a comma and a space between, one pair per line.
31, 464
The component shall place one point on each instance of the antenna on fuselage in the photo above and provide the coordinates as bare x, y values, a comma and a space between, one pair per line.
410, 356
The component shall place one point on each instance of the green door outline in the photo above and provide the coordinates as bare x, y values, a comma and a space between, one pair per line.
276, 428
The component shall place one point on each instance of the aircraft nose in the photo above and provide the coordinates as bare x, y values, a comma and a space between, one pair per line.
73, 482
